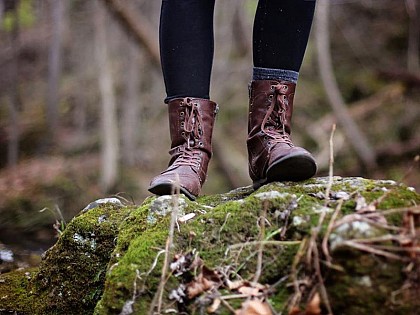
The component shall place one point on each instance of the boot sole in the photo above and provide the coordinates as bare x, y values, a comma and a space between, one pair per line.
293, 168
167, 189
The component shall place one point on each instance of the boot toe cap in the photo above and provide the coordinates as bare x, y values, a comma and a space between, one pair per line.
166, 183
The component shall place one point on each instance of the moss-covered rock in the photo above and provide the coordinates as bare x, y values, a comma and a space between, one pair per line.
280, 245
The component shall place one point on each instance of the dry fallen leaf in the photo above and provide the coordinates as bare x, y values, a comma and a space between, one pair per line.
254, 307
214, 306
313, 306
234, 285
248, 291
198, 286
294, 311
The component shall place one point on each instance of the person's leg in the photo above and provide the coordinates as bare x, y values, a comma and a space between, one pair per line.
280, 36
186, 47
281, 31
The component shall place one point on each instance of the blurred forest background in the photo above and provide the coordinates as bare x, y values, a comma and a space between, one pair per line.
82, 114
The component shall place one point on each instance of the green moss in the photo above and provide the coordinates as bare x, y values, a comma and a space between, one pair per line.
71, 276
15, 295
110, 258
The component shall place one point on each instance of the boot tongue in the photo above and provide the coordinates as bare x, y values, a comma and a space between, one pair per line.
192, 124
275, 122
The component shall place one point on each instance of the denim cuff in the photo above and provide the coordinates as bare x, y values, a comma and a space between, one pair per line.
274, 74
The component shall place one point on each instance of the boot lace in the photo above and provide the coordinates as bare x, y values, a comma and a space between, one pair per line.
273, 124
192, 133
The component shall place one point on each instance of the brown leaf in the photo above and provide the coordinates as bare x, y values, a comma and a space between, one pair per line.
234, 285
254, 307
214, 306
248, 291
313, 306
199, 285
210, 274
294, 311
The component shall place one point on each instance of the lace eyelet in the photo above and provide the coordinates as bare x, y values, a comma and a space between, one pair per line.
181, 103
270, 97
183, 133
181, 114
201, 144
273, 87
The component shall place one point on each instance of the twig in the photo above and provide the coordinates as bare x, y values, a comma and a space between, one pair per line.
280, 281
157, 299
322, 288
329, 230
384, 238
225, 303
372, 250
364, 218
314, 236
257, 243
291, 206
415, 163
397, 249
300, 253
413, 209
151, 268
261, 243
136, 24
331, 164
224, 223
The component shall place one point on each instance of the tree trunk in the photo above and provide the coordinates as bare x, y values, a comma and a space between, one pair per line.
54, 67
352, 131
109, 129
13, 91
130, 106
137, 26
413, 62
1, 14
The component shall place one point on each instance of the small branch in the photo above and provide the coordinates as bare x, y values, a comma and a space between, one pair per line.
261, 244
157, 299
356, 138
257, 243
136, 25
331, 164
372, 250
322, 288
329, 230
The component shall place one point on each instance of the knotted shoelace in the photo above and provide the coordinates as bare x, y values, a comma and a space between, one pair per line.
192, 132
275, 119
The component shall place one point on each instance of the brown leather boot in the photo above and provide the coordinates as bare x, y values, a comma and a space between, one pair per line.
191, 123
271, 153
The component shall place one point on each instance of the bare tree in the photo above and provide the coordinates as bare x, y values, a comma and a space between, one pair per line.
137, 26
413, 62
13, 90
352, 131
54, 66
1, 13
130, 106
109, 129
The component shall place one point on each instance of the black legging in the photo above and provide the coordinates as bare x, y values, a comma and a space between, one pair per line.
280, 36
